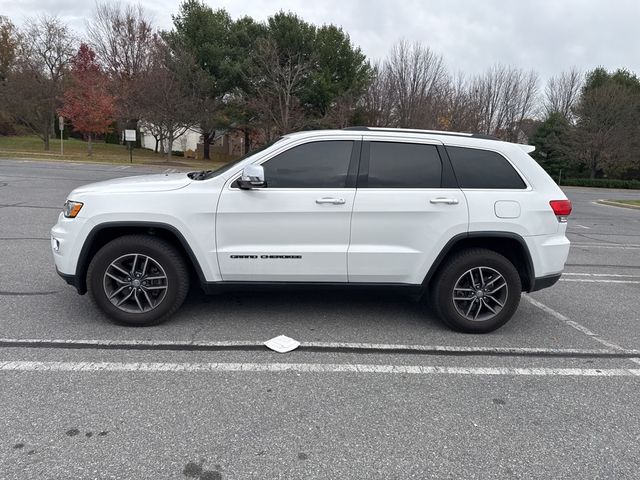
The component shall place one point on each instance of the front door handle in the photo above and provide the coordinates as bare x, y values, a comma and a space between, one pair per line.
445, 200
330, 201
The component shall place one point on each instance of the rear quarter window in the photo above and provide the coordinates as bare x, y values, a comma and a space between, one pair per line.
475, 168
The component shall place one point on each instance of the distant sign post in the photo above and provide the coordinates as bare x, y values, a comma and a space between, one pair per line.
61, 126
130, 137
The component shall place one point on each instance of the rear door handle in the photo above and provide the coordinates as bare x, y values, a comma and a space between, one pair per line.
445, 200
330, 201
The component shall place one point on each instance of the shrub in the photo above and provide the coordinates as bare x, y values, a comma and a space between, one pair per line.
601, 183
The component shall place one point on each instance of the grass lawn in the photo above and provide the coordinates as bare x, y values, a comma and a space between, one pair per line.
30, 146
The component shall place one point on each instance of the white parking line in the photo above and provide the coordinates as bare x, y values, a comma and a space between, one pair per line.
580, 328
616, 275
156, 367
169, 344
621, 246
589, 280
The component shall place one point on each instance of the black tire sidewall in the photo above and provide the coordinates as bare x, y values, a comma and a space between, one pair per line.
453, 270
161, 252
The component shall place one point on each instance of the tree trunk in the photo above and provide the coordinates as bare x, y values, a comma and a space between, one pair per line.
247, 140
157, 142
169, 145
46, 136
206, 146
207, 137
593, 168
90, 144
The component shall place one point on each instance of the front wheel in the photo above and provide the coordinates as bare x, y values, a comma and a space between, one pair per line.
477, 291
138, 280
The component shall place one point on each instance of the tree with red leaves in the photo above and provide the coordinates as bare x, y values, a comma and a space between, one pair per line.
87, 102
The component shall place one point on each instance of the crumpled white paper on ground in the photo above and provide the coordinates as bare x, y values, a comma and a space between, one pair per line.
282, 344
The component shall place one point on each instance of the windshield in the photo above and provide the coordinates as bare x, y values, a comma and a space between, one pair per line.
206, 174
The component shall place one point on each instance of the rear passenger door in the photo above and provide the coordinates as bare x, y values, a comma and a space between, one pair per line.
407, 207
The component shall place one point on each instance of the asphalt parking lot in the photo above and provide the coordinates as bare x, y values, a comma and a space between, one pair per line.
379, 388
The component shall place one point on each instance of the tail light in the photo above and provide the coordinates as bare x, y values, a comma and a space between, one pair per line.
561, 209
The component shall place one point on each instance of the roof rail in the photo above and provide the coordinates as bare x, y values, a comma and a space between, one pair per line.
432, 132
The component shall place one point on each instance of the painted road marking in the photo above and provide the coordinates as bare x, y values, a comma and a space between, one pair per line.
239, 344
590, 280
581, 226
600, 275
579, 327
153, 367
620, 246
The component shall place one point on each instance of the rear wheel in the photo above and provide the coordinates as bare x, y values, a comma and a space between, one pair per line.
477, 291
138, 280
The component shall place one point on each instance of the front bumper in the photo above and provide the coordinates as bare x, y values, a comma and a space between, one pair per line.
73, 281
67, 238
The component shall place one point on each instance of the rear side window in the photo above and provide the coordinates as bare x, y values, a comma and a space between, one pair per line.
311, 165
483, 169
404, 165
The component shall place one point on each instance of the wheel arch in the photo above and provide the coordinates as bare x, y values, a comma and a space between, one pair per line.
511, 245
103, 233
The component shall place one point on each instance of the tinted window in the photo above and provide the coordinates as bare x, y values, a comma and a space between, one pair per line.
404, 165
312, 165
483, 169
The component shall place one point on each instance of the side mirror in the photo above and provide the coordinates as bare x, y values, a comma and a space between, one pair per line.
252, 177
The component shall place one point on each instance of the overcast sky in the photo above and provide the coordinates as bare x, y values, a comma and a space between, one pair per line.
545, 35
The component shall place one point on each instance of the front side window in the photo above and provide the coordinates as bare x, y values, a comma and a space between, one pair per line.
476, 168
312, 165
404, 165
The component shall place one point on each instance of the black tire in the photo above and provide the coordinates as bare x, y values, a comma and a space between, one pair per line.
167, 264
461, 267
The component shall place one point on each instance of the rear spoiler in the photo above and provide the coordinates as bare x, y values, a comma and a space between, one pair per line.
527, 148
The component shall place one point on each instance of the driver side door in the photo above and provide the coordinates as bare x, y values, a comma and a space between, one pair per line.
296, 228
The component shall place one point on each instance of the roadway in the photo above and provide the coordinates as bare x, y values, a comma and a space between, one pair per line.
378, 389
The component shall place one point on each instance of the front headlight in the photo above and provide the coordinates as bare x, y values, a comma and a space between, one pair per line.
71, 209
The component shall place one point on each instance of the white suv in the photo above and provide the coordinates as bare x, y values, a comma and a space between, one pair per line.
470, 220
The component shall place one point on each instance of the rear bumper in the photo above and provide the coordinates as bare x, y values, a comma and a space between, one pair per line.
545, 282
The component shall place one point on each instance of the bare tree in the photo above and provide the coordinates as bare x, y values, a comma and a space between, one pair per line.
416, 78
33, 88
174, 104
123, 39
504, 97
562, 92
9, 41
376, 101
461, 112
275, 78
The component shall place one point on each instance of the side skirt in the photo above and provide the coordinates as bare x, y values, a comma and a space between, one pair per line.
213, 288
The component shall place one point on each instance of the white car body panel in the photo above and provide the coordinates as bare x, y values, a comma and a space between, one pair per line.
376, 236
396, 234
291, 236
